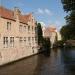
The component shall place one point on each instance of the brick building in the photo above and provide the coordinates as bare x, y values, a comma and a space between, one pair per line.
17, 35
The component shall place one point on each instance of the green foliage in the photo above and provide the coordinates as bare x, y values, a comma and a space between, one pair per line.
70, 19
68, 31
39, 33
68, 5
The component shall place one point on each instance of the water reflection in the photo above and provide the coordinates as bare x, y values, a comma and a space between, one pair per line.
69, 60
47, 52
48, 64
57, 61
42, 64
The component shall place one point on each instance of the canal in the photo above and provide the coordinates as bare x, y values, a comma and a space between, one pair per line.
56, 62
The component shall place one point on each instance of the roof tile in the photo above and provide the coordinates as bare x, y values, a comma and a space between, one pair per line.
9, 14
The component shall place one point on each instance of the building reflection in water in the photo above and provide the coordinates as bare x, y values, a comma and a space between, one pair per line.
57, 62
53, 62
49, 63
42, 63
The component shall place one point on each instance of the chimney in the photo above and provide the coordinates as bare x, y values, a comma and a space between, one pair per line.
17, 12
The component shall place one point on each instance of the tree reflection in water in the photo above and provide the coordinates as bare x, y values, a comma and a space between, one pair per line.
58, 62
52, 62
42, 66
68, 55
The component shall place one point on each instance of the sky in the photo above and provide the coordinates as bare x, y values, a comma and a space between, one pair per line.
50, 12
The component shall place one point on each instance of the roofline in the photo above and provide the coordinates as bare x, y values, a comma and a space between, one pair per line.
8, 18
24, 23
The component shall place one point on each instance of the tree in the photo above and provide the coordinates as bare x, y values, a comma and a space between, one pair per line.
70, 19
68, 5
39, 33
68, 31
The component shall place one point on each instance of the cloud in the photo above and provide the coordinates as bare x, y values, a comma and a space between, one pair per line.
40, 11
44, 12
48, 12
57, 23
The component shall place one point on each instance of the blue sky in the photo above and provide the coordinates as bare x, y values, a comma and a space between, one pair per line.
47, 11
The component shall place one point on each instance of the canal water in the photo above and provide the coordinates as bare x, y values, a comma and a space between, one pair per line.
59, 61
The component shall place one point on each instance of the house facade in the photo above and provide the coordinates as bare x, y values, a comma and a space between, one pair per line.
17, 35
52, 33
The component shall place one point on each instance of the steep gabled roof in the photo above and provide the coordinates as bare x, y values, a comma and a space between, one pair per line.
9, 14
24, 18
6, 13
47, 32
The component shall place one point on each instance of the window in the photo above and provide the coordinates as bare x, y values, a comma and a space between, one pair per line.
29, 40
8, 25
35, 29
12, 41
24, 39
5, 41
24, 28
33, 40
32, 20
36, 40
20, 39
28, 28
20, 28
32, 28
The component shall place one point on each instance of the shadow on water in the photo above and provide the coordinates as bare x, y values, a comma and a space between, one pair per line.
47, 52
42, 63
41, 66
46, 47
